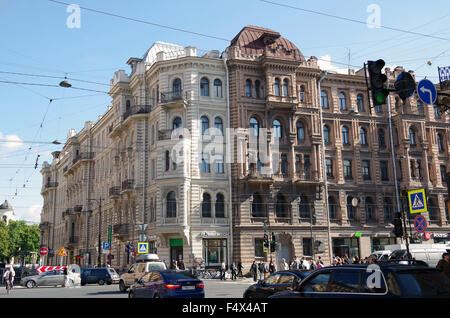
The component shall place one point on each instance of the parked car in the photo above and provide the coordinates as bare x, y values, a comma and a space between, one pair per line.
360, 281
276, 282
167, 284
143, 265
100, 275
50, 278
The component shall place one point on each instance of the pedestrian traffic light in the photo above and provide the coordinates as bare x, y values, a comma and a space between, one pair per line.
377, 80
405, 85
398, 228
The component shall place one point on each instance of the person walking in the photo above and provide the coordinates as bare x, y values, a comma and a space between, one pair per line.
66, 277
240, 267
233, 271
284, 266
223, 269
181, 265
9, 278
261, 270
444, 264
272, 268
254, 271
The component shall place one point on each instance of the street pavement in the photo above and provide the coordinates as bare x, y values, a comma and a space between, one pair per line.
214, 288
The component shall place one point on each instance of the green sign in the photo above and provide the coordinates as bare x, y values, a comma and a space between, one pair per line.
176, 242
109, 234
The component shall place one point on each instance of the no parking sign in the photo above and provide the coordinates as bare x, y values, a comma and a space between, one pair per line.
420, 224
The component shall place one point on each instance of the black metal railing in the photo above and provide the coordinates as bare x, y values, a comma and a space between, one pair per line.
51, 184
128, 185
121, 229
138, 109
168, 97
83, 156
114, 191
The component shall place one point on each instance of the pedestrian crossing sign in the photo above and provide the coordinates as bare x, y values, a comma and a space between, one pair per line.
62, 252
142, 248
417, 201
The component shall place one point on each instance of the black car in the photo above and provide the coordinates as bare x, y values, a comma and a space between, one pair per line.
382, 280
276, 282
99, 275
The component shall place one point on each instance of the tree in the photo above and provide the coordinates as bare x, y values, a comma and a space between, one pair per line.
4, 243
22, 238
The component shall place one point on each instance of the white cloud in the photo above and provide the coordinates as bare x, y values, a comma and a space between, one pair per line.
31, 213
11, 142
325, 64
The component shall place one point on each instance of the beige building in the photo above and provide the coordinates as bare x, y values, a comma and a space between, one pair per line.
146, 161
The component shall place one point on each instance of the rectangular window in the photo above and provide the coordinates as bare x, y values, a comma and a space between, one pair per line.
329, 167
307, 247
205, 166
214, 251
442, 168
348, 169
366, 169
384, 170
218, 165
259, 247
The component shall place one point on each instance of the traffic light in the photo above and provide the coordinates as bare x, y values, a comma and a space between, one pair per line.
398, 227
405, 85
266, 241
377, 80
273, 243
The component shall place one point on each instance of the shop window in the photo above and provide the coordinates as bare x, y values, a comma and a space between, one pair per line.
214, 251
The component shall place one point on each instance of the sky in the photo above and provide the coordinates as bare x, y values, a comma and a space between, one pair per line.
38, 38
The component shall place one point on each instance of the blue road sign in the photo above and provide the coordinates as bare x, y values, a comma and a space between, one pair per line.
420, 224
417, 201
427, 92
142, 248
105, 245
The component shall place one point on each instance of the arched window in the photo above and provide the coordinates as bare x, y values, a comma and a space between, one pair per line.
370, 209
326, 134
277, 129
300, 131
176, 87
276, 87
206, 205
171, 203
285, 87
248, 88
281, 207
204, 87
324, 99
363, 134
388, 209
412, 137
254, 127
218, 88
303, 207
351, 210
257, 89
440, 142
218, 124
257, 206
342, 102
220, 206
177, 123
381, 139
332, 207
360, 102
167, 160
302, 93
345, 136
205, 124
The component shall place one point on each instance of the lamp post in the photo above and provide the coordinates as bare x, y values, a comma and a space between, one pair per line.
99, 257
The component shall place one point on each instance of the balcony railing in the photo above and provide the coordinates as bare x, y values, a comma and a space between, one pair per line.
83, 156
138, 109
114, 191
128, 185
73, 239
170, 97
78, 208
51, 185
68, 212
121, 230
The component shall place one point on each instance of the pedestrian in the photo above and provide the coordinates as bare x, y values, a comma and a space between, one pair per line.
261, 270
240, 267
9, 278
306, 265
233, 271
313, 265
284, 266
272, 268
174, 265
181, 265
223, 269
254, 271
292, 264
266, 270
319, 265
66, 277
320, 261
444, 264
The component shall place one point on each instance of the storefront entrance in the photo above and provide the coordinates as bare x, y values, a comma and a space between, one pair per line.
346, 246
176, 251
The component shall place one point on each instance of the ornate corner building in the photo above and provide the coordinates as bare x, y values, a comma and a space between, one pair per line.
162, 156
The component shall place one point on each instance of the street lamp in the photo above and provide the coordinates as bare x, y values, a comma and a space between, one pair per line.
65, 83
99, 257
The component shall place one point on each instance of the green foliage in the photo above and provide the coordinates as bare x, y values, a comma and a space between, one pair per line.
18, 237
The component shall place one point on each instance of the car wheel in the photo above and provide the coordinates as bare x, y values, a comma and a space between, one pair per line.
156, 296
122, 287
31, 284
131, 295
101, 282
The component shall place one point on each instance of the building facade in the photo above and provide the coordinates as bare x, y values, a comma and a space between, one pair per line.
161, 156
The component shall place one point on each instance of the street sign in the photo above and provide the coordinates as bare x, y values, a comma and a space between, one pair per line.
62, 252
417, 201
106, 246
109, 234
265, 249
420, 224
43, 251
426, 91
142, 248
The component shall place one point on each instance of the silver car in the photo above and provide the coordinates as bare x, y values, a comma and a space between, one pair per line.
50, 278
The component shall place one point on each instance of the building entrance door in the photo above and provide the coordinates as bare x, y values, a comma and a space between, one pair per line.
176, 251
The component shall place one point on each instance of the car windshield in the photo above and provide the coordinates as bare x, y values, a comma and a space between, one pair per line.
423, 283
397, 254
112, 271
156, 266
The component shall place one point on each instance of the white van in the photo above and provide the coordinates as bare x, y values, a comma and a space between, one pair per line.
429, 253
